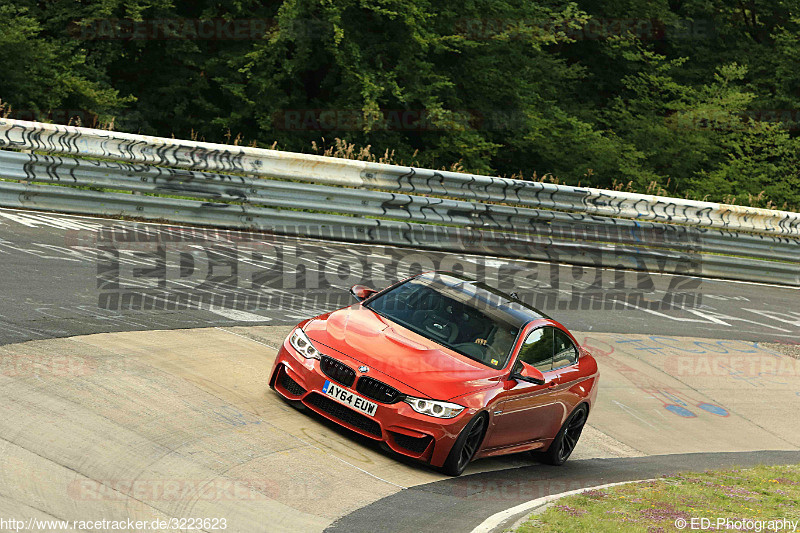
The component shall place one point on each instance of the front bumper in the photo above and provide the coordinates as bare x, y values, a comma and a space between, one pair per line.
404, 430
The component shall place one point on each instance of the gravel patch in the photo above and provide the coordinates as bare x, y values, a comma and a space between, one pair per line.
792, 350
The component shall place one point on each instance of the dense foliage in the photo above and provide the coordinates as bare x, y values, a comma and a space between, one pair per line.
695, 98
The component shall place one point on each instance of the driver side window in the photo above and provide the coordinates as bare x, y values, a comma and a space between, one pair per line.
537, 350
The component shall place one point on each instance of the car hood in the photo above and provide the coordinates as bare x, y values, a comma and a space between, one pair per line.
392, 350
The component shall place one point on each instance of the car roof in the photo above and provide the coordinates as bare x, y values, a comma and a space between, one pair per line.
513, 310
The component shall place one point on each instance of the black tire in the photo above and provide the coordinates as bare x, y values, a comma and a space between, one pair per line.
566, 439
467, 443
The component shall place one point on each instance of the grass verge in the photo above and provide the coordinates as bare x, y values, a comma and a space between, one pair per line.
761, 494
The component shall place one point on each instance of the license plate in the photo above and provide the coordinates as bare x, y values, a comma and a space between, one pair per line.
348, 398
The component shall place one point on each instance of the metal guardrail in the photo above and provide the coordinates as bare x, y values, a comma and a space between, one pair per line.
348, 173
335, 198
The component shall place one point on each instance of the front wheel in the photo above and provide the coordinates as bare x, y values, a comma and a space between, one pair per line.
465, 447
566, 439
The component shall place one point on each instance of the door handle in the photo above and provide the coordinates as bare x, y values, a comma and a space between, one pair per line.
552, 384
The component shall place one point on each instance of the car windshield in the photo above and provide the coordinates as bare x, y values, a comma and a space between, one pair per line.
451, 315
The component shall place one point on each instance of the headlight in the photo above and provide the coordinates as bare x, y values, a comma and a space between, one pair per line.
434, 407
302, 344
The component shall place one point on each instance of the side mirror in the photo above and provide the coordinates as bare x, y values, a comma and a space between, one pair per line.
361, 292
530, 374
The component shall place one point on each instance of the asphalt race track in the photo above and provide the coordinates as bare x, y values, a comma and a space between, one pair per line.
113, 413
462, 504
50, 287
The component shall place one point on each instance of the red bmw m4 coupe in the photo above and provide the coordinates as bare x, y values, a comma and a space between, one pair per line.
443, 369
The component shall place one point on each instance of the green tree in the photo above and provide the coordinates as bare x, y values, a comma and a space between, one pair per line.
41, 75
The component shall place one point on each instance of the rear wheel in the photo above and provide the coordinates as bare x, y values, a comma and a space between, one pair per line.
465, 447
566, 439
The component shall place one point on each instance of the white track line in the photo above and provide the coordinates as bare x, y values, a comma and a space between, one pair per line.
239, 315
247, 338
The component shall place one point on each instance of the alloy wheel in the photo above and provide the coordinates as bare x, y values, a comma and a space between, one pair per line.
471, 443
571, 434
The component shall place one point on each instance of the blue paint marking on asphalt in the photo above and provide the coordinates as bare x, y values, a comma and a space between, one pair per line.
713, 409
681, 411
641, 345
674, 398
